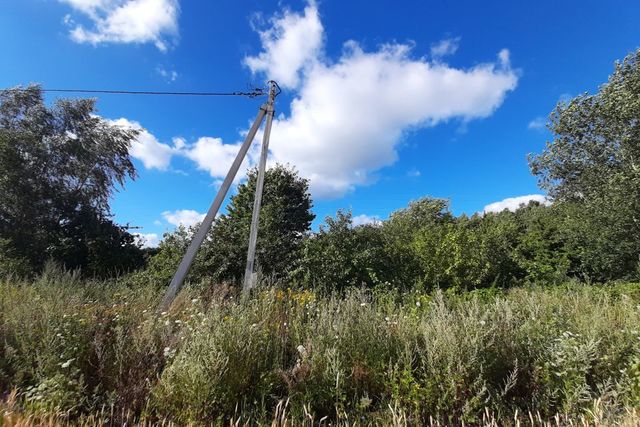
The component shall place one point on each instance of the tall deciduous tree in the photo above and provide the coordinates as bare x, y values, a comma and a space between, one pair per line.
58, 167
594, 160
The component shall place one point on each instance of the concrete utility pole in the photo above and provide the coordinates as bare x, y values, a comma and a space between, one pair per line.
266, 109
250, 275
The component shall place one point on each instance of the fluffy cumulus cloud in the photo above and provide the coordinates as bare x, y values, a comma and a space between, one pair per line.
152, 153
513, 203
208, 154
185, 217
125, 21
292, 44
215, 157
348, 116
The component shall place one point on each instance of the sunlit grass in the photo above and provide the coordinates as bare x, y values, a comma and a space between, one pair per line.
99, 352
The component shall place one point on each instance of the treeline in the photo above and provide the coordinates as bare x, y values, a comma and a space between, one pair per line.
590, 231
423, 246
60, 165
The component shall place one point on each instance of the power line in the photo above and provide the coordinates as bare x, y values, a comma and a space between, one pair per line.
251, 94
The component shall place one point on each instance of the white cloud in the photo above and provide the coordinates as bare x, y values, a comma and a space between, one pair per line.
349, 115
169, 75
539, 123
292, 43
445, 47
148, 240
414, 173
365, 219
185, 217
152, 153
513, 203
209, 154
215, 157
126, 21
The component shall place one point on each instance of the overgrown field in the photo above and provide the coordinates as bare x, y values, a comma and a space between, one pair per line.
73, 349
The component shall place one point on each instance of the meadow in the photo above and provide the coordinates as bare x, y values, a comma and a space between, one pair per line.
78, 351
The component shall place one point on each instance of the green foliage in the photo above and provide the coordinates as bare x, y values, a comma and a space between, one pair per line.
285, 219
425, 247
58, 168
76, 347
341, 255
594, 162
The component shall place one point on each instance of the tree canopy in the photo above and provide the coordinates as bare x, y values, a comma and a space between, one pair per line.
594, 161
59, 165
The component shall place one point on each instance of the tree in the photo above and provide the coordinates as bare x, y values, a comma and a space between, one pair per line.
285, 218
402, 228
594, 160
340, 255
59, 166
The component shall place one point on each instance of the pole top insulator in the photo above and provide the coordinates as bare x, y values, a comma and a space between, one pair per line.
274, 89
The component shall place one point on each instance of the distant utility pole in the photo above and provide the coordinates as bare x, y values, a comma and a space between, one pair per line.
266, 109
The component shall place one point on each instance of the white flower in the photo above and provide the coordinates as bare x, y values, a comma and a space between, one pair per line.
67, 363
302, 350
418, 303
167, 351
362, 304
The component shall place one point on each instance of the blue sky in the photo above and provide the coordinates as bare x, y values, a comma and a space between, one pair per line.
383, 102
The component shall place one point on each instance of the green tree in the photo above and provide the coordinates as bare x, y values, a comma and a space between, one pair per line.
594, 160
403, 227
340, 255
542, 251
285, 218
59, 166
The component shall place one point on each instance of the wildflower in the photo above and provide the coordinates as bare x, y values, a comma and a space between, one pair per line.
302, 350
362, 304
67, 363
418, 303
365, 402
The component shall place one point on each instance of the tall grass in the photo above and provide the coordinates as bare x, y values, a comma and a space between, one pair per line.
78, 350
